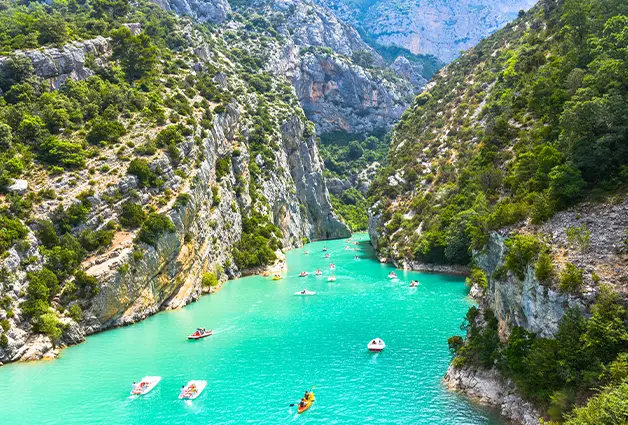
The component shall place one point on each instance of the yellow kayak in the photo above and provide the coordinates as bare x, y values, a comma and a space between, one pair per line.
308, 403
277, 278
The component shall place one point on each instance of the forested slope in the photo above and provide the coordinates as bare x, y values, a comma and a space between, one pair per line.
514, 163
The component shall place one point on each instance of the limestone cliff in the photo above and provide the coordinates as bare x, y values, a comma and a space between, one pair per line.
212, 11
136, 279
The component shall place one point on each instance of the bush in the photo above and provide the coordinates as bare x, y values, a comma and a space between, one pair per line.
4, 341
579, 237
93, 240
608, 408
140, 169
570, 279
132, 215
67, 153
154, 226
76, 313
87, 285
49, 325
46, 233
103, 132
478, 277
544, 267
209, 280
521, 250
11, 231
223, 167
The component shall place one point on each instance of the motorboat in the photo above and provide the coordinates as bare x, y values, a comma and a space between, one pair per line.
414, 284
331, 278
305, 292
201, 333
332, 266
303, 274
318, 272
306, 252
277, 277
325, 249
192, 390
392, 275
327, 256
376, 345
145, 385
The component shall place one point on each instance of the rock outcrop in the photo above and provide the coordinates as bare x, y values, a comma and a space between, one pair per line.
490, 388
55, 65
441, 28
212, 11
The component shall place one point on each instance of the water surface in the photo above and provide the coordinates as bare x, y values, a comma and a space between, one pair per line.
269, 346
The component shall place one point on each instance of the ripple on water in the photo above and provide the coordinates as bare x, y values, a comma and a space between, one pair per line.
268, 346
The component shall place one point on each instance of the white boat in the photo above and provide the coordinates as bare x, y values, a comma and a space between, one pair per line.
331, 279
318, 272
414, 284
145, 385
192, 390
392, 275
305, 292
303, 274
376, 345
332, 266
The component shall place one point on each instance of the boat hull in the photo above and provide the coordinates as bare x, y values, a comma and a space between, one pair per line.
195, 337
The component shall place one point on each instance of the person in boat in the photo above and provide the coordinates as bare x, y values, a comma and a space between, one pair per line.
135, 386
324, 249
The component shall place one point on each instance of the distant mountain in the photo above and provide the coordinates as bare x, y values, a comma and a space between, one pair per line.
441, 28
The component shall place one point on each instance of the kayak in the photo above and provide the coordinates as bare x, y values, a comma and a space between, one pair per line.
376, 345
198, 335
305, 292
307, 404
146, 385
192, 390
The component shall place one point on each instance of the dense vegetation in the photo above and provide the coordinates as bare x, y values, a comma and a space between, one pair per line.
345, 156
143, 101
529, 122
557, 373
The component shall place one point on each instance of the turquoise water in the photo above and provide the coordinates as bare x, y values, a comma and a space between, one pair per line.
269, 346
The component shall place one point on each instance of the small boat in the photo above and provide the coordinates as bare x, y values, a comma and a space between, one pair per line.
318, 272
331, 278
414, 284
146, 385
265, 274
327, 256
325, 249
306, 252
303, 274
306, 404
392, 275
332, 266
277, 277
356, 257
376, 345
305, 292
192, 390
347, 248
201, 333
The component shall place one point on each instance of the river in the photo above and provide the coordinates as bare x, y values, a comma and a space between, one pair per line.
268, 347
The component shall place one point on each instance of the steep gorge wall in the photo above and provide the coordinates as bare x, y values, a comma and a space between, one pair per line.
137, 280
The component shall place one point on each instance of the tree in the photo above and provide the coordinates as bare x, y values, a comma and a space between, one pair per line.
154, 226
136, 53
132, 215
566, 184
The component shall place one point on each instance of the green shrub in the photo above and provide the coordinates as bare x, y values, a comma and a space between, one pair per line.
522, 249
93, 240
477, 277
132, 215
223, 167
67, 153
76, 313
140, 169
104, 132
4, 341
570, 279
87, 285
579, 237
5, 324
544, 267
11, 230
154, 226
209, 280
49, 325
608, 408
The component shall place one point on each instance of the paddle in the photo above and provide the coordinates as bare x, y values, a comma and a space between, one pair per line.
294, 404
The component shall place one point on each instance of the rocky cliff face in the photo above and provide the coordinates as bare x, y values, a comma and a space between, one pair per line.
55, 65
136, 280
212, 11
441, 28
341, 82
